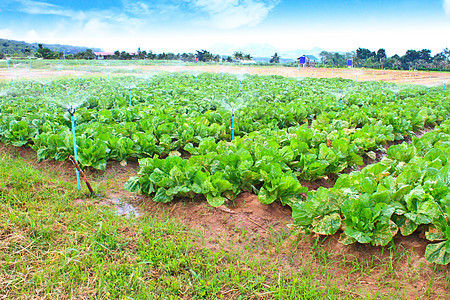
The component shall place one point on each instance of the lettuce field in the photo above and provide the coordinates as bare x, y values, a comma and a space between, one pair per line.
385, 147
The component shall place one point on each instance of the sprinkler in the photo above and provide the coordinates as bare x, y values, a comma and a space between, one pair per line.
71, 111
232, 124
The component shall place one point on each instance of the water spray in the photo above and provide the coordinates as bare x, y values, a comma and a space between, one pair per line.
71, 111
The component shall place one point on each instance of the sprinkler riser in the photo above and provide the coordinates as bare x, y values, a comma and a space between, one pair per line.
72, 118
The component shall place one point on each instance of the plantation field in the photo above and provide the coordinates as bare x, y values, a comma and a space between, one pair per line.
363, 162
84, 68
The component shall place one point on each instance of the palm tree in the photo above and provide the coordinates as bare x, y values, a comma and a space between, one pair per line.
275, 59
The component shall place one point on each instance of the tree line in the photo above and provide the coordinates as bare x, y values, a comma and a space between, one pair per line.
200, 55
411, 60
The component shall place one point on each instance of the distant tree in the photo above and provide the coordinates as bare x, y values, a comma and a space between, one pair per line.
425, 54
27, 50
89, 54
143, 54
369, 62
335, 58
274, 59
124, 55
117, 54
409, 59
161, 56
248, 57
238, 55
189, 57
204, 55
2, 55
446, 53
46, 53
170, 56
363, 53
396, 62
229, 59
381, 53
151, 55
58, 55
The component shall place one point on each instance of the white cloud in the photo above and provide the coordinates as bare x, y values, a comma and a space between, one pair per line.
231, 14
7, 33
446, 4
43, 8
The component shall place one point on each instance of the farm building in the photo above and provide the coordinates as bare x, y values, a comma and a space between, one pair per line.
103, 55
307, 60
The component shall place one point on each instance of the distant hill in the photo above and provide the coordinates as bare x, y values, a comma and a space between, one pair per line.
12, 47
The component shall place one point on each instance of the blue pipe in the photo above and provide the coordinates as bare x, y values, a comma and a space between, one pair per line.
341, 103
130, 96
44, 88
240, 84
395, 96
75, 146
232, 125
428, 89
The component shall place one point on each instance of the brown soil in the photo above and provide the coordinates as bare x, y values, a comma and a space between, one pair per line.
408, 77
261, 231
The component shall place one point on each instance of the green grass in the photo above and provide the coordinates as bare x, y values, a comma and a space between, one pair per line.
52, 246
56, 243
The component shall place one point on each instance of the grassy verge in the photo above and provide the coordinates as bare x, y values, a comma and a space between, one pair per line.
55, 243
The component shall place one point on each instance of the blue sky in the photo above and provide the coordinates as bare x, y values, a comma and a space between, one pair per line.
187, 25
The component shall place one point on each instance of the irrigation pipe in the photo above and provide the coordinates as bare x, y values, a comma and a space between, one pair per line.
80, 171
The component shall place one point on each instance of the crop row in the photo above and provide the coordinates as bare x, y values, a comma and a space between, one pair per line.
169, 113
406, 191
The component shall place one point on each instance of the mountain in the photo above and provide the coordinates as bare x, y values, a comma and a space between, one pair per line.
12, 47
263, 51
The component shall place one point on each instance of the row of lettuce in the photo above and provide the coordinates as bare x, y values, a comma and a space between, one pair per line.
408, 190
287, 131
175, 113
